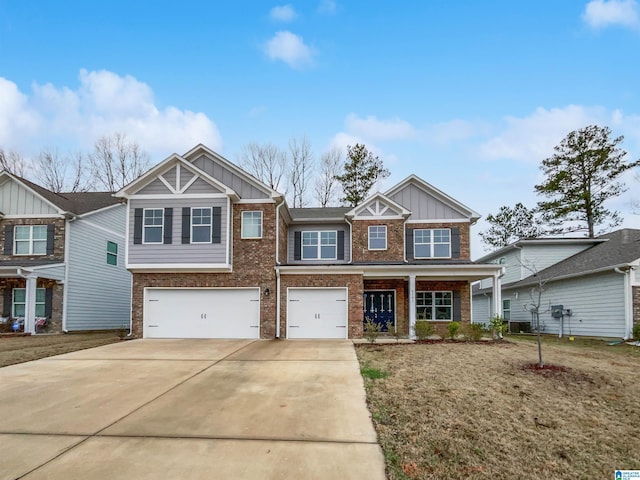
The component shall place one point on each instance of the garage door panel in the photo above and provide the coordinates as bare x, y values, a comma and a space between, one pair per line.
317, 313
202, 313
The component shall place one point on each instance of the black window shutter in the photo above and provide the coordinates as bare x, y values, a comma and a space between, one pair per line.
216, 224
457, 306
455, 242
50, 238
186, 225
168, 225
409, 243
297, 246
48, 302
8, 239
137, 226
6, 302
340, 244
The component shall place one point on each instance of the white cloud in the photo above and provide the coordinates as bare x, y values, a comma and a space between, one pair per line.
283, 13
604, 13
104, 102
371, 128
327, 7
290, 48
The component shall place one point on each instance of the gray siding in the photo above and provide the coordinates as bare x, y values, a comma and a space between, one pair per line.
239, 185
543, 256
481, 309
98, 294
424, 206
177, 252
155, 188
171, 176
200, 186
318, 227
597, 303
17, 200
54, 273
513, 267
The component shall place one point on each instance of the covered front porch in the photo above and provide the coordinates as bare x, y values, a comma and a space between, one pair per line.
397, 297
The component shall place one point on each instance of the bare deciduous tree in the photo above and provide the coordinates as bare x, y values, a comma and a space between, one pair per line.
535, 294
12, 162
326, 183
265, 162
117, 161
300, 168
58, 173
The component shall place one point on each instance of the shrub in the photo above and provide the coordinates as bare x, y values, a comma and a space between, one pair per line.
498, 328
452, 329
371, 330
636, 331
424, 329
473, 331
391, 328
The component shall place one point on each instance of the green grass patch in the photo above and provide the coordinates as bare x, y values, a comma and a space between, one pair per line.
373, 373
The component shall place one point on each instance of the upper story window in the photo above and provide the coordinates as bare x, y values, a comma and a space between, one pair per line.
432, 243
252, 224
112, 253
437, 306
378, 237
320, 245
153, 225
201, 225
30, 240
19, 302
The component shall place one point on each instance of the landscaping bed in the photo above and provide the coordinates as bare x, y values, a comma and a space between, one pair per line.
483, 410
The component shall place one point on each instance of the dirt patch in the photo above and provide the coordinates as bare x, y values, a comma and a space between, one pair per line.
461, 410
18, 349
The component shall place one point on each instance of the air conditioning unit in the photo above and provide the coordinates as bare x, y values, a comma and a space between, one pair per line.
556, 311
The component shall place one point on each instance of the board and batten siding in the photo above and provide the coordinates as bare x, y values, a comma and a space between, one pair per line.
98, 294
424, 206
239, 185
17, 200
177, 252
597, 303
317, 228
481, 308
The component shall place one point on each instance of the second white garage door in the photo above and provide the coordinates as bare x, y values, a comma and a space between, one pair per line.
202, 313
317, 313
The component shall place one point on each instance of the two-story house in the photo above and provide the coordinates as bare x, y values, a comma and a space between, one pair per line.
216, 253
590, 286
62, 267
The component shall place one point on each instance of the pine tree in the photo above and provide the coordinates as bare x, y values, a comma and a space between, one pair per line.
361, 171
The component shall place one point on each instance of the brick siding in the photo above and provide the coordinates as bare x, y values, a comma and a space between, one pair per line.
401, 288
58, 243
636, 305
463, 287
465, 250
55, 322
395, 241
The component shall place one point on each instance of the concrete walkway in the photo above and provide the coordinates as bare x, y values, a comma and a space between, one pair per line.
189, 409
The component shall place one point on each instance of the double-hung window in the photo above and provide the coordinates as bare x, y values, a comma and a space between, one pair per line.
378, 237
436, 306
30, 240
201, 225
251, 224
320, 245
432, 243
19, 302
506, 309
112, 253
153, 225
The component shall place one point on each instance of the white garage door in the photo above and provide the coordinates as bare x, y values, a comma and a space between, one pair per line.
202, 313
317, 313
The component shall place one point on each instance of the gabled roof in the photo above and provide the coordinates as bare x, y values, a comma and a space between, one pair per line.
201, 149
523, 242
76, 203
436, 193
379, 197
617, 249
175, 159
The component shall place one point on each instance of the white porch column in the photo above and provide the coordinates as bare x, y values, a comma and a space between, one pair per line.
412, 307
497, 296
30, 304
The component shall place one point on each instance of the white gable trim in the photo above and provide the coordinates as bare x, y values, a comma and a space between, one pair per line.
376, 200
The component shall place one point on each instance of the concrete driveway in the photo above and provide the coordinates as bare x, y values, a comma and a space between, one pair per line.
189, 409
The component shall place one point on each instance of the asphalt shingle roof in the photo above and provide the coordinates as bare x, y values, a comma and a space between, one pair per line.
319, 213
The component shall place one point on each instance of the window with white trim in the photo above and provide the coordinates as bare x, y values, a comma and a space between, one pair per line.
320, 245
252, 224
30, 240
112, 253
19, 302
432, 243
434, 306
153, 225
201, 225
378, 237
506, 309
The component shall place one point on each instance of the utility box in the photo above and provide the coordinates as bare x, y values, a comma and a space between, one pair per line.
556, 311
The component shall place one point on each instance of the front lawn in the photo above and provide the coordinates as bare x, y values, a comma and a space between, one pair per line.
478, 411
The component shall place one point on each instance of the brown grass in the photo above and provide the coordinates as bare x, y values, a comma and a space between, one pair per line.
24, 349
481, 411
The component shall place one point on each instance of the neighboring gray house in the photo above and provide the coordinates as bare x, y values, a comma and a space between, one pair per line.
594, 284
62, 267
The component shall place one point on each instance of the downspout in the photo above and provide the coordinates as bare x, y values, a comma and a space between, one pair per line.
350, 240
628, 312
65, 288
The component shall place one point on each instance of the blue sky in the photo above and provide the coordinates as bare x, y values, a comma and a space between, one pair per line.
468, 95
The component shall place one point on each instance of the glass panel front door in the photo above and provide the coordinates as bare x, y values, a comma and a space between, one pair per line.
379, 306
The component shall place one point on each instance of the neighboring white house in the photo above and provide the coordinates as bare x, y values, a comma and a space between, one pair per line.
591, 286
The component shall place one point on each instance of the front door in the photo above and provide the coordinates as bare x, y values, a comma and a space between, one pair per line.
380, 307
